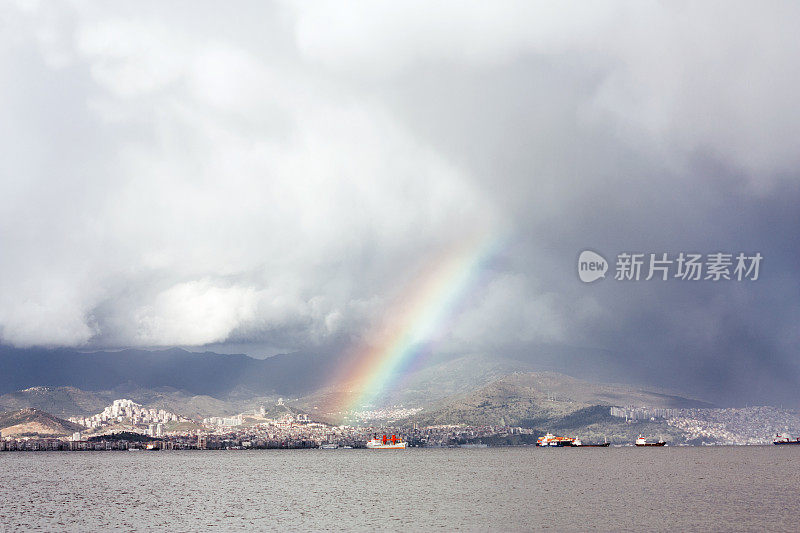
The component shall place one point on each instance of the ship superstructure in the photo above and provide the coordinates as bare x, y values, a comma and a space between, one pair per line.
641, 441
387, 443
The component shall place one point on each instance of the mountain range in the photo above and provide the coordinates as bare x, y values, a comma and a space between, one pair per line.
196, 373
474, 389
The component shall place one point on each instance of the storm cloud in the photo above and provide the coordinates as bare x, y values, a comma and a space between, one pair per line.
275, 174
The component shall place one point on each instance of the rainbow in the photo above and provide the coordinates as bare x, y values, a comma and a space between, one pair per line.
420, 317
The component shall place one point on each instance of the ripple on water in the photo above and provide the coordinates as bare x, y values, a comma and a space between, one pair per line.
720, 488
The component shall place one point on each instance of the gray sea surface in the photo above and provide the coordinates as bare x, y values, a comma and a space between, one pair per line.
491, 489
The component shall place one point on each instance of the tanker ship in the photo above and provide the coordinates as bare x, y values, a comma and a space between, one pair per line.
393, 443
641, 441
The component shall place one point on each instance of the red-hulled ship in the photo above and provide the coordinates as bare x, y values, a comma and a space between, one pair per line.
780, 439
393, 443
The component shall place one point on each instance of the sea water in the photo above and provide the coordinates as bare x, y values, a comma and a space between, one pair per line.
498, 489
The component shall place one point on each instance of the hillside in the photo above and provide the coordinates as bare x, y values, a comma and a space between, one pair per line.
561, 387
65, 402
272, 412
439, 378
28, 422
445, 376
60, 401
555, 402
196, 406
524, 397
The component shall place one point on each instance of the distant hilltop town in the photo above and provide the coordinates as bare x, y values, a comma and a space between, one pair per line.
126, 424
125, 411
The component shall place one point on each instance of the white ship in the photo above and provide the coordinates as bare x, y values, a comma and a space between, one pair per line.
641, 441
393, 443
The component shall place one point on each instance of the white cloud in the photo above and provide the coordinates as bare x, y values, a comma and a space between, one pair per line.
228, 191
194, 313
133, 57
382, 38
52, 314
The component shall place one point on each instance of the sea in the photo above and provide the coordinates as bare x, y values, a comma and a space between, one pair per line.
721, 488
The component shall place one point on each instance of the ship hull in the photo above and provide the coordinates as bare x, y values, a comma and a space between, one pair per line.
787, 442
653, 444
398, 446
556, 442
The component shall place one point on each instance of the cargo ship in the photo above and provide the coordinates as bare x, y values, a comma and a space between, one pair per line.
393, 443
641, 441
780, 439
578, 443
551, 440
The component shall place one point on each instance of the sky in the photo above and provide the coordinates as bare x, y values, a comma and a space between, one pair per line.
267, 177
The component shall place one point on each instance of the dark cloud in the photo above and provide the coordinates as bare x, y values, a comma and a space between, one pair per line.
176, 182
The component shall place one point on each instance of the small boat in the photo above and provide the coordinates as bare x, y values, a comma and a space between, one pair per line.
641, 441
783, 439
328, 446
393, 443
